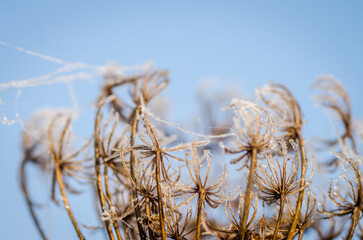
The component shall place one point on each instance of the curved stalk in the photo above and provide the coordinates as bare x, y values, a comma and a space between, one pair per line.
24, 188
292, 231
148, 214
247, 203
99, 186
101, 197
109, 195
282, 202
353, 225
65, 200
301, 234
132, 162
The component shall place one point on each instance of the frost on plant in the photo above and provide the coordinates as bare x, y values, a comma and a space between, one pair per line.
153, 179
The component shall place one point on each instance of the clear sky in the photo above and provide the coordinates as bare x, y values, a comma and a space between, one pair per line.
248, 43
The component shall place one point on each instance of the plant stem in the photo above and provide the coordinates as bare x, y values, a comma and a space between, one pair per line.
292, 231
65, 200
147, 208
24, 188
160, 196
109, 195
353, 225
301, 234
247, 203
99, 185
199, 214
132, 172
282, 202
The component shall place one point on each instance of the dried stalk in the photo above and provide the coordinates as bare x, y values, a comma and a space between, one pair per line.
65, 200
247, 203
199, 215
160, 195
30, 204
58, 165
292, 231
99, 185
109, 196
279, 219
132, 172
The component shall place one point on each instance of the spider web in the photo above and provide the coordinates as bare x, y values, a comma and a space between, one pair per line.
66, 73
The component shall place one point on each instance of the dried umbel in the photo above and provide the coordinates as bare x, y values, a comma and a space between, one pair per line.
277, 180
332, 232
35, 153
207, 194
253, 129
178, 226
307, 217
148, 186
235, 220
289, 121
350, 202
333, 96
65, 165
285, 108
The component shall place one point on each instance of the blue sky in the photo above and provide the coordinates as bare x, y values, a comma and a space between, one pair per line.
248, 43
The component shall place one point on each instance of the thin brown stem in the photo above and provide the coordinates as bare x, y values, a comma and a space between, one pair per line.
353, 225
24, 188
148, 214
65, 200
199, 214
277, 228
99, 185
301, 234
247, 203
132, 172
109, 195
160, 195
292, 231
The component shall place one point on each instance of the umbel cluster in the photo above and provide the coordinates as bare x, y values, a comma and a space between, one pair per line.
153, 180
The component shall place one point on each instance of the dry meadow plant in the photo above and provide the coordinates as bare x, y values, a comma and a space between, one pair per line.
151, 185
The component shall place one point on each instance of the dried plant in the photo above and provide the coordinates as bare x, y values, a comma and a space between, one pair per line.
176, 230
276, 182
286, 110
235, 230
151, 185
254, 136
206, 194
332, 233
350, 202
335, 97
64, 165
306, 218
289, 121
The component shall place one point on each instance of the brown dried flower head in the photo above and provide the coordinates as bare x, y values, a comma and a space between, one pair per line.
333, 96
254, 128
286, 110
